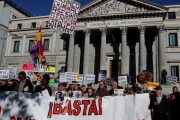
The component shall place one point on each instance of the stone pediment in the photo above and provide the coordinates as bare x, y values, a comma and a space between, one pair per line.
103, 7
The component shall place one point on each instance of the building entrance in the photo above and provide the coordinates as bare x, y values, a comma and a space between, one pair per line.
115, 69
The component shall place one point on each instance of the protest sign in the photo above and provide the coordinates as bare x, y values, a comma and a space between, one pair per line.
69, 76
122, 80
64, 15
130, 107
4, 74
102, 75
52, 82
89, 79
108, 81
50, 69
2, 68
59, 96
28, 67
62, 78
39, 68
145, 77
152, 84
12, 72
75, 94
80, 81
172, 80
118, 92
42, 95
129, 79
74, 76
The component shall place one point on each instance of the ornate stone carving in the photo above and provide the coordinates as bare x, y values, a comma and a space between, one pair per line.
142, 29
123, 30
103, 31
87, 32
112, 7
160, 28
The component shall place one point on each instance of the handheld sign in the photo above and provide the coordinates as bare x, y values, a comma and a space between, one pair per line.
69, 76
4, 74
172, 80
108, 81
2, 68
64, 15
80, 81
118, 92
62, 78
102, 75
122, 80
12, 72
89, 79
152, 84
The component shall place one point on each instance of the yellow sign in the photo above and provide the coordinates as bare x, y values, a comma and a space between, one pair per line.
78, 76
50, 69
152, 84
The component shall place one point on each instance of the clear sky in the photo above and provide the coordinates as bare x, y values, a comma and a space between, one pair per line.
43, 7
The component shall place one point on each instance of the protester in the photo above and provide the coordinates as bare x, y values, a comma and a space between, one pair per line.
175, 106
159, 104
149, 90
60, 88
172, 96
24, 85
114, 86
34, 85
91, 92
136, 89
3, 85
77, 88
46, 77
83, 88
102, 90
10, 85
131, 91
37, 78
43, 86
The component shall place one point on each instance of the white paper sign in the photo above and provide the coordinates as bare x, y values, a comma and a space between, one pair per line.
89, 79
75, 94
69, 76
80, 81
12, 72
118, 92
4, 74
122, 80
2, 68
102, 75
62, 78
39, 68
74, 76
42, 95
64, 15
171, 80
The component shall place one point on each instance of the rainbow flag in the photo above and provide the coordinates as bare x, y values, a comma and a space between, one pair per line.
37, 46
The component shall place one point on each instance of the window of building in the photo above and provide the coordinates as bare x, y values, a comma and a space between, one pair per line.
172, 15
33, 25
63, 69
19, 26
46, 44
173, 39
175, 71
14, 17
16, 46
65, 45
30, 44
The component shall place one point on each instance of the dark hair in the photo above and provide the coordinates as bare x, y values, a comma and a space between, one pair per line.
34, 82
46, 77
174, 87
22, 73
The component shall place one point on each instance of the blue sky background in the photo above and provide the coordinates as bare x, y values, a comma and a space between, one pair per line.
43, 7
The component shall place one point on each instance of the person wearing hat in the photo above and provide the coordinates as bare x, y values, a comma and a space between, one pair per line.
159, 104
43, 86
61, 87
24, 85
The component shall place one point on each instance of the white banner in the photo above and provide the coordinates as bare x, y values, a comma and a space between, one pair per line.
2, 68
14, 105
172, 80
62, 78
89, 79
4, 74
122, 80
12, 72
64, 15
102, 75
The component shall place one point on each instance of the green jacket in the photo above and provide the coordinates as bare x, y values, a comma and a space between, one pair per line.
161, 109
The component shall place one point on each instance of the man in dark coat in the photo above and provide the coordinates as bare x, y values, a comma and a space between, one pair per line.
159, 104
114, 86
102, 90
24, 85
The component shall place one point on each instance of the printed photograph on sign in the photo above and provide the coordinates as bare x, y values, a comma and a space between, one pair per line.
59, 96
75, 94
118, 92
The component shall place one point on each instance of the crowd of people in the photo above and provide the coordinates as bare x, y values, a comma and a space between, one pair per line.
161, 106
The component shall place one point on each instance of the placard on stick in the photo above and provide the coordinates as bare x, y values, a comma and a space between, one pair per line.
122, 80
172, 80
4, 74
89, 79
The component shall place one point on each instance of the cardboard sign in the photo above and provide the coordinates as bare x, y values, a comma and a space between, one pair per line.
152, 84
172, 80
118, 92
64, 15
102, 75
50, 69
28, 67
62, 78
122, 80
145, 77
12, 72
108, 81
89, 79
2, 68
52, 82
4, 74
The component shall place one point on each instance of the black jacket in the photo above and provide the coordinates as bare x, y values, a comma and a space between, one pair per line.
27, 84
39, 89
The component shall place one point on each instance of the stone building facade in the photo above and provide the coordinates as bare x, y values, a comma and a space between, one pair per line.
141, 36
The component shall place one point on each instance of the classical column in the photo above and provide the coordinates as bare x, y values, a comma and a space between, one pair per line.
23, 44
70, 53
161, 49
142, 48
123, 49
86, 51
103, 49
